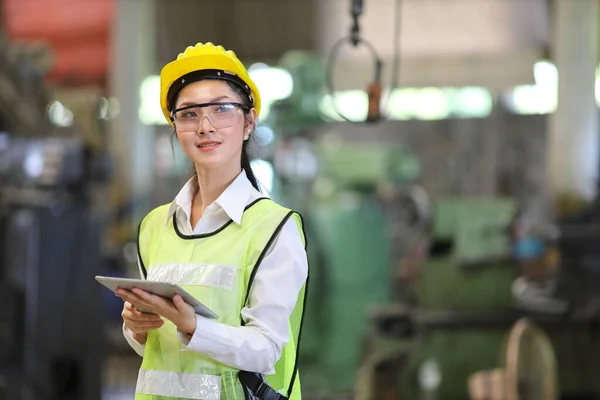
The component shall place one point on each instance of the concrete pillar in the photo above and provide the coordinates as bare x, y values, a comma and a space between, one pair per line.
573, 144
133, 59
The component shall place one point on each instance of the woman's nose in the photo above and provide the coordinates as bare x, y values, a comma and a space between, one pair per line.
205, 125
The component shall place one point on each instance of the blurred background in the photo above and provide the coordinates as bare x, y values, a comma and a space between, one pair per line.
444, 154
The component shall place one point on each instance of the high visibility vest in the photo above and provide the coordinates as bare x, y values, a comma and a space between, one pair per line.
217, 268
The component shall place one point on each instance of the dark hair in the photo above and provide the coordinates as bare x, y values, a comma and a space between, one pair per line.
246, 158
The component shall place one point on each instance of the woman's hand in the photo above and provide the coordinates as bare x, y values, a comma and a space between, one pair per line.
181, 314
138, 322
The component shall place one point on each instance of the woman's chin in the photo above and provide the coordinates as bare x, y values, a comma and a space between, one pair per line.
208, 162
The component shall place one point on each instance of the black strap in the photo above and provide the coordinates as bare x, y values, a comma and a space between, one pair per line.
252, 381
139, 252
259, 387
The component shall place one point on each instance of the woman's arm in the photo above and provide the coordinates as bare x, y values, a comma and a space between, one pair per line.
257, 346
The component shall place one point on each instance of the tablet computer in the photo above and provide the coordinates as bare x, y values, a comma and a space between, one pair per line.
162, 289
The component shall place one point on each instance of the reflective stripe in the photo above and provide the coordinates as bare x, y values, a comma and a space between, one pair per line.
177, 384
213, 275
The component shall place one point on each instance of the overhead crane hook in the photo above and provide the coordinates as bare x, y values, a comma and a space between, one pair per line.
374, 89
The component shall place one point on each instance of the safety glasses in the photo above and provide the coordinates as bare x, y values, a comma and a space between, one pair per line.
220, 115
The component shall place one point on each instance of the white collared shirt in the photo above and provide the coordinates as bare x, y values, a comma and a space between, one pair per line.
257, 346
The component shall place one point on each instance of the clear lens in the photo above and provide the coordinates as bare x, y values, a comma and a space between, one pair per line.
220, 116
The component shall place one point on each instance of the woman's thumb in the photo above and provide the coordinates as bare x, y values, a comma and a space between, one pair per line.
178, 301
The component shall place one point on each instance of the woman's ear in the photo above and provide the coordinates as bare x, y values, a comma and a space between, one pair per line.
251, 120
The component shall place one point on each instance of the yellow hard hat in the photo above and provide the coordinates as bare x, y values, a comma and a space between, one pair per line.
204, 61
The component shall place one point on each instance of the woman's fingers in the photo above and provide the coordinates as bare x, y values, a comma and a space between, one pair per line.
130, 297
139, 322
148, 324
135, 314
142, 329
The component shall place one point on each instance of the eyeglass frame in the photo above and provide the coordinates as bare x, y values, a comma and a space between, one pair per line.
203, 105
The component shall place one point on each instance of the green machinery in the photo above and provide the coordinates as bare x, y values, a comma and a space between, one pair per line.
349, 249
350, 255
461, 310
462, 315
357, 258
371, 327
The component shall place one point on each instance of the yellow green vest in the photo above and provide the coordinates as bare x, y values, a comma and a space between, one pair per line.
217, 268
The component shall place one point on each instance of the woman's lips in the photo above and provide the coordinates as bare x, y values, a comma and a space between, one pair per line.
208, 146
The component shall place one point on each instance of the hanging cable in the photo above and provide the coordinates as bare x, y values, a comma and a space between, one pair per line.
374, 89
397, 53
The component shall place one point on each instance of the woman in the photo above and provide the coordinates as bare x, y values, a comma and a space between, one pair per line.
238, 252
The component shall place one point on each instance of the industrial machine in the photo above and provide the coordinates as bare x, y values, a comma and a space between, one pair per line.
50, 254
463, 310
412, 249
52, 317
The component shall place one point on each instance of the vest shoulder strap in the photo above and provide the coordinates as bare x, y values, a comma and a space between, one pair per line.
280, 217
146, 231
288, 362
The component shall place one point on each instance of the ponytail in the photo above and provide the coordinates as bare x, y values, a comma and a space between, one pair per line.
248, 168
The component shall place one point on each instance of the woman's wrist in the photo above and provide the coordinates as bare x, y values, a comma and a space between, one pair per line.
140, 337
188, 327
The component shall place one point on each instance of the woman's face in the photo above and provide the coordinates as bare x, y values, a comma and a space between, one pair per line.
212, 136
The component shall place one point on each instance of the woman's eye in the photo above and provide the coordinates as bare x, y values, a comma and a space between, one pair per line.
223, 109
189, 114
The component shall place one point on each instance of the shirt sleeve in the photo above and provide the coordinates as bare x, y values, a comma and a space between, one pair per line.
135, 345
257, 346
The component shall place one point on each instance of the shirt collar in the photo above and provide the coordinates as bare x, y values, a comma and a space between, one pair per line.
233, 200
